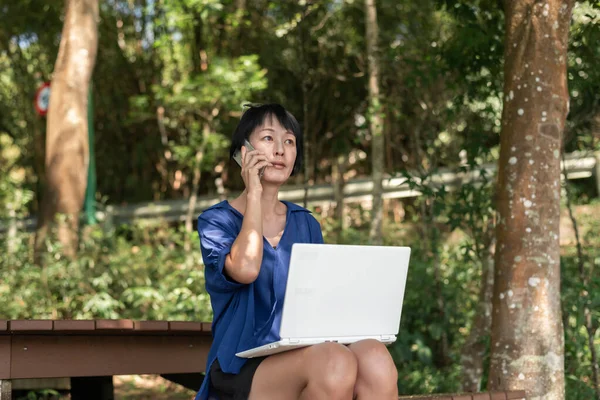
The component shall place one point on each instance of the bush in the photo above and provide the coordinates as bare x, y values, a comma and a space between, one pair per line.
138, 273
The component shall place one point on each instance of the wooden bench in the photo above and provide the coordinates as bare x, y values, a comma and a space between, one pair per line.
508, 395
90, 352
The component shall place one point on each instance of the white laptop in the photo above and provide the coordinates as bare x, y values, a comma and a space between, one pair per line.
340, 293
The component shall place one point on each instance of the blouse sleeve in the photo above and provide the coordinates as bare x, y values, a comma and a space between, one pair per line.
216, 239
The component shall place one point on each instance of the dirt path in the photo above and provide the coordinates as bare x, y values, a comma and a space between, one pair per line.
149, 387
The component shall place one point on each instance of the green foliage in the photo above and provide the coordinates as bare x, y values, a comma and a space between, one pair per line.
418, 350
13, 193
583, 77
170, 82
577, 296
45, 394
141, 273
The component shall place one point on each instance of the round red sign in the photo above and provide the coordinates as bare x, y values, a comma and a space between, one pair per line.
42, 99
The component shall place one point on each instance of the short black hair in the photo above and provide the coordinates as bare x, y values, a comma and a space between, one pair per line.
255, 116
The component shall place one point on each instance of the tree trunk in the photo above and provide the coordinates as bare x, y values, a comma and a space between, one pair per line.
67, 154
473, 351
307, 144
239, 30
375, 122
338, 170
199, 61
11, 235
196, 183
527, 343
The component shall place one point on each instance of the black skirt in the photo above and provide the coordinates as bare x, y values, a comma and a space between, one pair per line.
233, 386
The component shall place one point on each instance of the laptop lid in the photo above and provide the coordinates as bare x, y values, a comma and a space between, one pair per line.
344, 290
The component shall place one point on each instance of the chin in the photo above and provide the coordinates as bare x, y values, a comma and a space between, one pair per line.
276, 177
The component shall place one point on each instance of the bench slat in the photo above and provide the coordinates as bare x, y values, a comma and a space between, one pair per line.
104, 327
516, 395
114, 324
506, 395
132, 353
74, 325
151, 326
31, 325
185, 326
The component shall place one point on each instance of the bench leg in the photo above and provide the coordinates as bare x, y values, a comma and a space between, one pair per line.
92, 388
5, 389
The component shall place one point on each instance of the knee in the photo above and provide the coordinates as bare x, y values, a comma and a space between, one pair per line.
376, 367
334, 368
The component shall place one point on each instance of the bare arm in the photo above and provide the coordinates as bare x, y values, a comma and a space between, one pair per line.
243, 262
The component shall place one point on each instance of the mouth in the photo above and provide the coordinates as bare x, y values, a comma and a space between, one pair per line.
278, 165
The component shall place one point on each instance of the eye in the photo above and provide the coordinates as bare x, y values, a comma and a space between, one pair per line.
268, 138
289, 141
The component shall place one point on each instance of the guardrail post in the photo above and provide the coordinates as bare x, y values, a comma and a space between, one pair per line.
108, 223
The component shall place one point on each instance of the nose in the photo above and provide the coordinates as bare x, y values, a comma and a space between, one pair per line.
279, 148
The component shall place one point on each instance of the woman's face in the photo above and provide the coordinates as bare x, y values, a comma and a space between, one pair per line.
279, 145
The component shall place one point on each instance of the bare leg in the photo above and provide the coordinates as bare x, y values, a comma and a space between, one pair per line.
377, 374
324, 371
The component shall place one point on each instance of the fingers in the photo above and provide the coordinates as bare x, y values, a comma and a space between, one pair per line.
252, 158
254, 169
252, 163
262, 164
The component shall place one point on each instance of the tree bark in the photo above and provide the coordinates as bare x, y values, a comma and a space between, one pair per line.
308, 171
238, 32
338, 170
527, 343
375, 123
199, 62
196, 179
67, 154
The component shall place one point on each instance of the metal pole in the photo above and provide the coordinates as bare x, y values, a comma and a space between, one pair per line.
89, 204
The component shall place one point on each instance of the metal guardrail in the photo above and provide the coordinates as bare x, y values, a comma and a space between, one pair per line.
578, 166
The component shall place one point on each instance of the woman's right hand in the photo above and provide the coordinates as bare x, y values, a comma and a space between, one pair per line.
252, 162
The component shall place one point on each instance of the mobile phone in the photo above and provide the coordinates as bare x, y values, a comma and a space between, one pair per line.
237, 156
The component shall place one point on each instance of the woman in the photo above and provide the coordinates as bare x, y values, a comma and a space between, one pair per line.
246, 246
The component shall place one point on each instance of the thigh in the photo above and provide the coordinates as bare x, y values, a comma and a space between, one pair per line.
369, 348
375, 363
280, 376
286, 375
